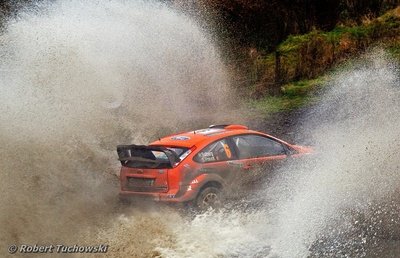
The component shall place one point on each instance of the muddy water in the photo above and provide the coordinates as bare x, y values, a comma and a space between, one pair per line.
340, 202
78, 78
345, 201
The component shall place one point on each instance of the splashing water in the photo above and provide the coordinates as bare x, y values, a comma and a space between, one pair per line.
339, 202
336, 202
78, 78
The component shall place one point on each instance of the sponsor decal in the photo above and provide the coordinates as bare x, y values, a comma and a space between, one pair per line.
207, 156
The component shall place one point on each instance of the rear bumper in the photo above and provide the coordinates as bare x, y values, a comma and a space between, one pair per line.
171, 197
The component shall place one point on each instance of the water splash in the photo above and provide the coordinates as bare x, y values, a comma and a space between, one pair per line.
340, 201
78, 78
355, 129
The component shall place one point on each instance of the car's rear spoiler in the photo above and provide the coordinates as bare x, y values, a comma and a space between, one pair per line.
126, 153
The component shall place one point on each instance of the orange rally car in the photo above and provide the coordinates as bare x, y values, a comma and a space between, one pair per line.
194, 167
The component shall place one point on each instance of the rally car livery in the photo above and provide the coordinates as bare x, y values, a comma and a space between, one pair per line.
195, 167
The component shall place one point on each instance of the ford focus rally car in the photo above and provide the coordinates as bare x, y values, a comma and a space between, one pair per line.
195, 167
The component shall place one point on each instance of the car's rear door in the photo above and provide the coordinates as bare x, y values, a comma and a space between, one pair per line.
258, 155
214, 158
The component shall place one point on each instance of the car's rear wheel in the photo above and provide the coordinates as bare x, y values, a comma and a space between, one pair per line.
209, 197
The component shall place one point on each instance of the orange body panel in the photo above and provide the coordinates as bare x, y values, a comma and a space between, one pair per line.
183, 181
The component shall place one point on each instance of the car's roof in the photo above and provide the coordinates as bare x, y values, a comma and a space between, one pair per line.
192, 138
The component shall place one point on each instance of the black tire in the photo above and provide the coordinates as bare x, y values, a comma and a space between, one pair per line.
209, 197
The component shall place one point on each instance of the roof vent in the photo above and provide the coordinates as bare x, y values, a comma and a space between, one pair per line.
218, 126
229, 127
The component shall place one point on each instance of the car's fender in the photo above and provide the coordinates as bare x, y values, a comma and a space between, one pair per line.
194, 186
200, 181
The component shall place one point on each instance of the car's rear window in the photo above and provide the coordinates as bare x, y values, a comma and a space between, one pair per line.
156, 159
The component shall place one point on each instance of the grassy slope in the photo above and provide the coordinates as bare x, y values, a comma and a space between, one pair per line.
307, 60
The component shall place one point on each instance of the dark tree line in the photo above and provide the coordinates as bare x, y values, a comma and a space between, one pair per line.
264, 24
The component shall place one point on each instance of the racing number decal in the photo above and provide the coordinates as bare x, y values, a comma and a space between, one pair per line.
227, 151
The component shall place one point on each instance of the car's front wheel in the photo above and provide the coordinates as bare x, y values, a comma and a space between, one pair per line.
209, 197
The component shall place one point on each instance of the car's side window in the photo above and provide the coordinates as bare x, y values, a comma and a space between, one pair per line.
217, 151
252, 146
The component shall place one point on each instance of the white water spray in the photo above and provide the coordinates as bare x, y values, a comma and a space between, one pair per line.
339, 202
78, 78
